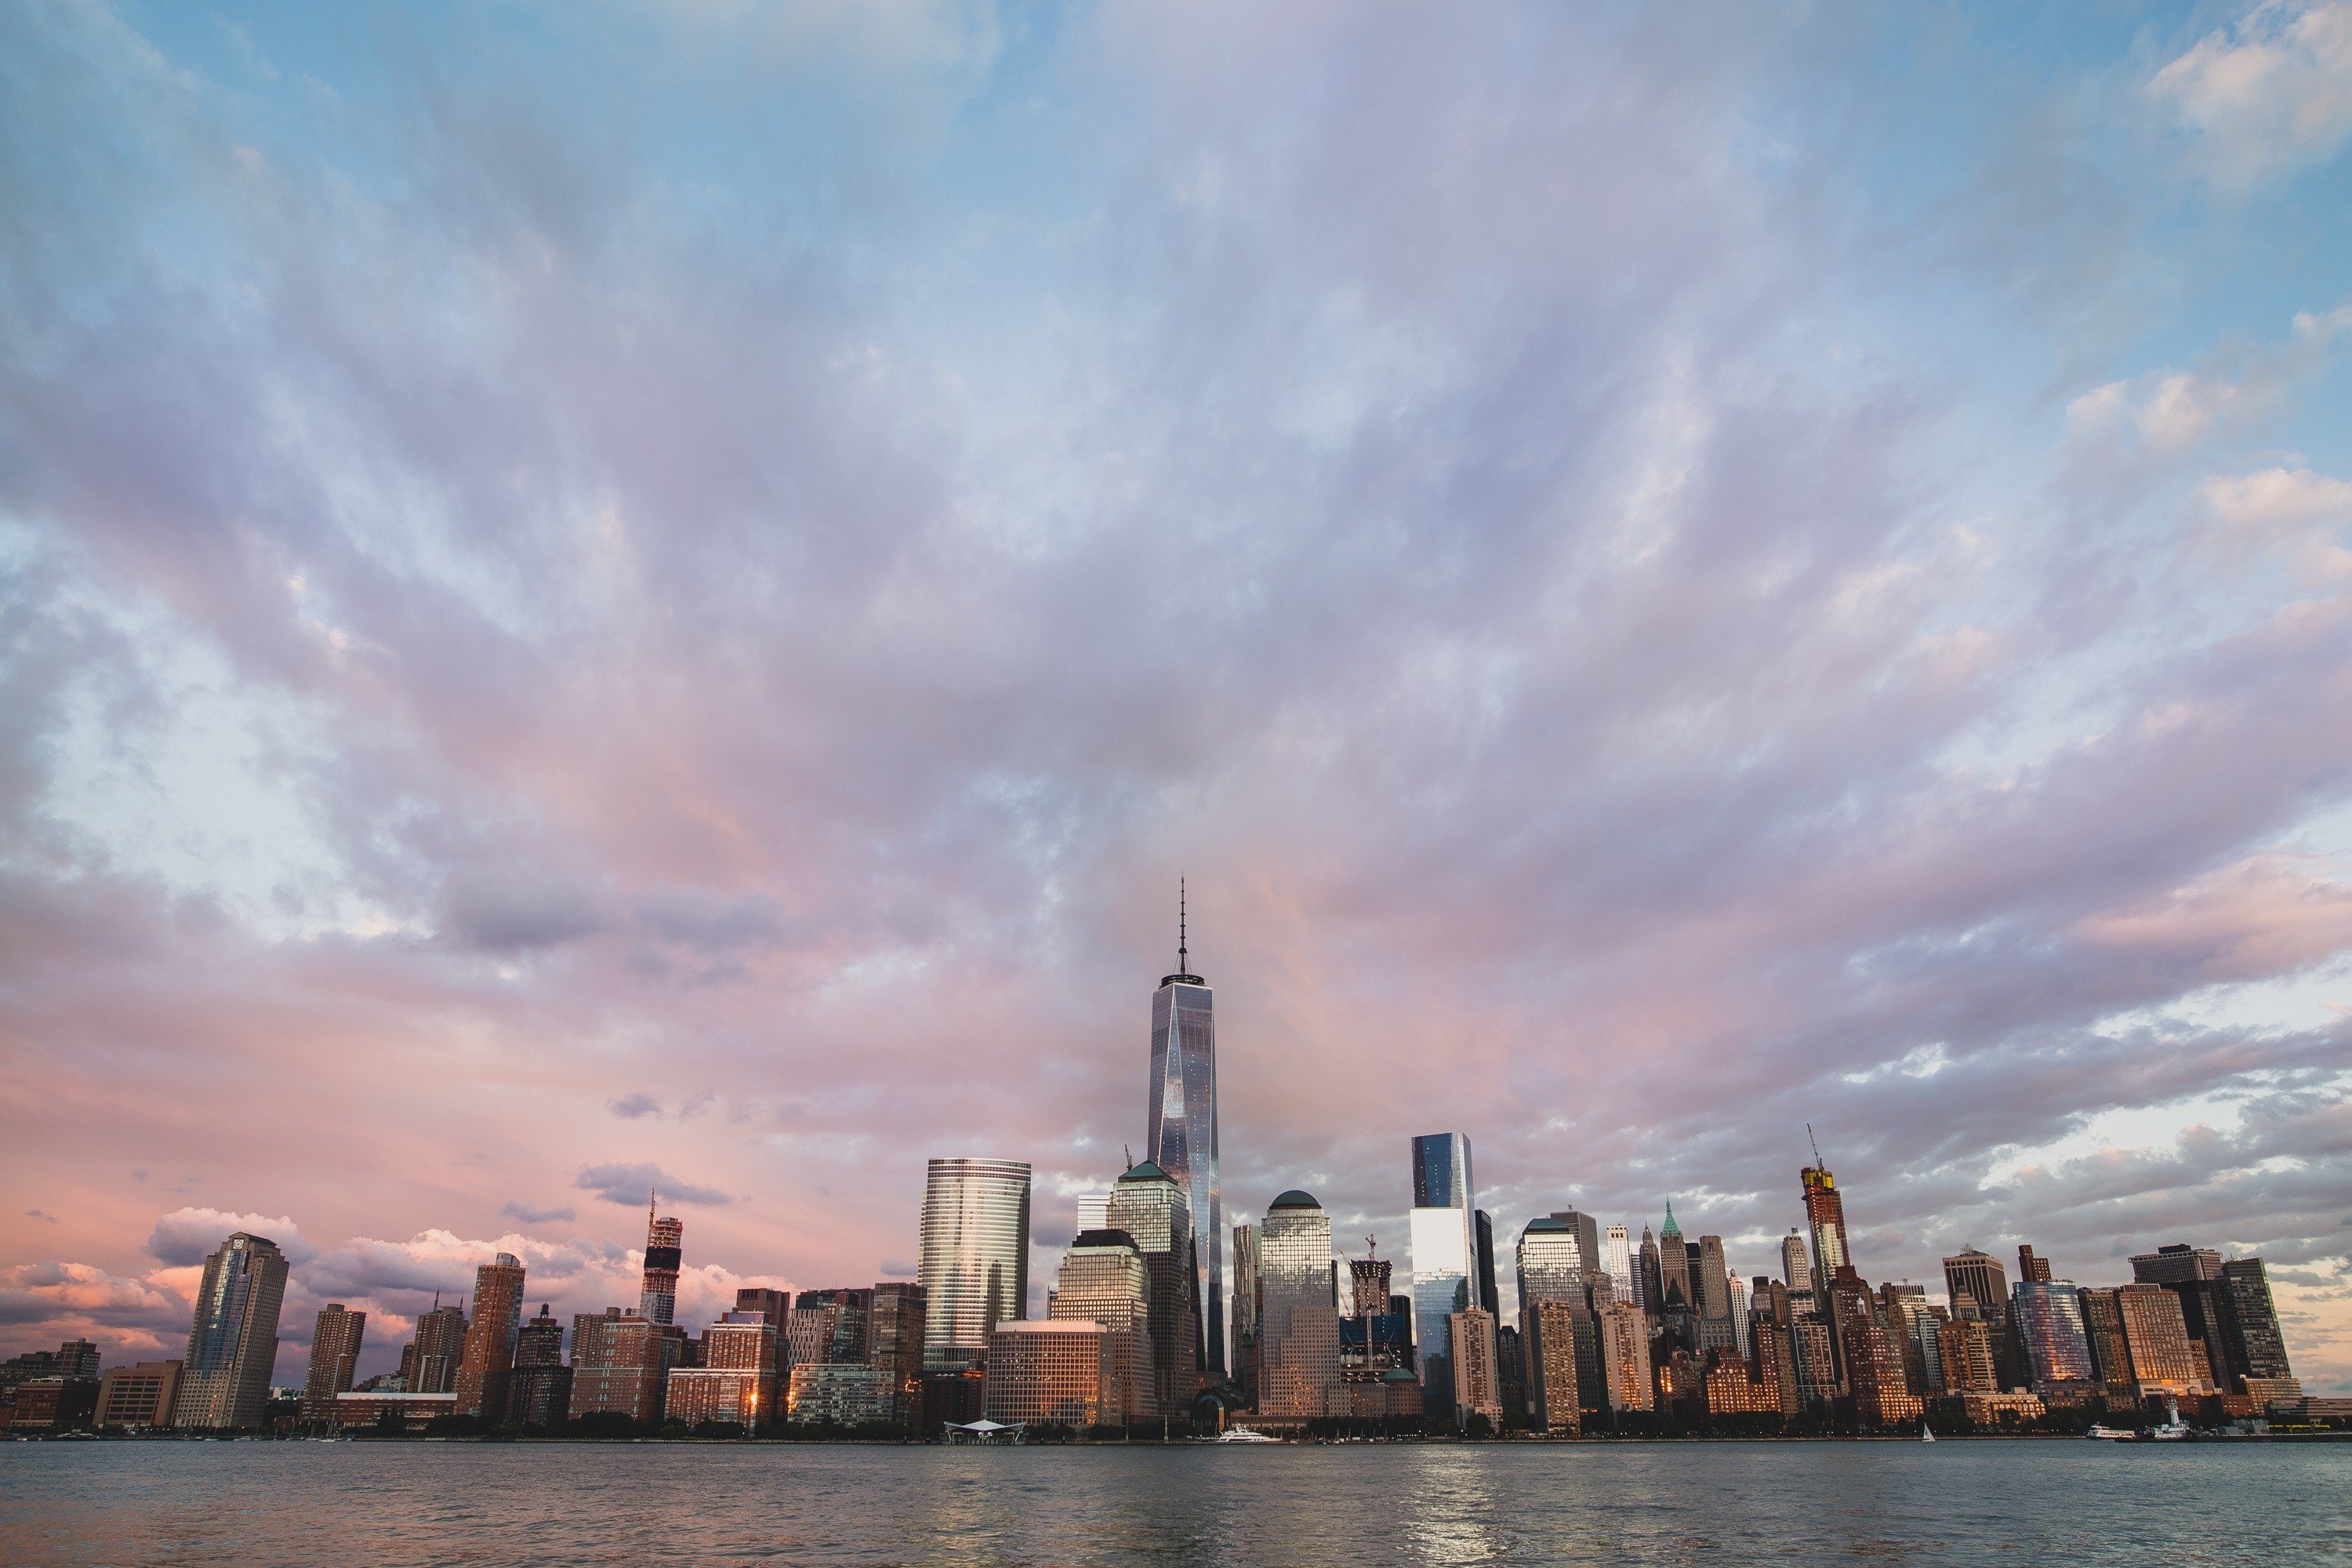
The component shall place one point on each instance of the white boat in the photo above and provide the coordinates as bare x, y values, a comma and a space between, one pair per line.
1926, 1433
2111, 1434
1243, 1434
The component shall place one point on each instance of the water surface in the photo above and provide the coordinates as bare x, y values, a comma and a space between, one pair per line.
257, 1505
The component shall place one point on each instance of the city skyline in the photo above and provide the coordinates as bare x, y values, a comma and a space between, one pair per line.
597, 606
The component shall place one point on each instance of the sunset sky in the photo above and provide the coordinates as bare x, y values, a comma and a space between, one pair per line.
615, 595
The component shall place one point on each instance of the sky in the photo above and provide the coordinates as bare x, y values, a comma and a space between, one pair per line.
622, 596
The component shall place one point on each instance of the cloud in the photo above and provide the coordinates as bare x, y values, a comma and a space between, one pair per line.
630, 1185
736, 575
2272, 94
188, 1236
529, 1215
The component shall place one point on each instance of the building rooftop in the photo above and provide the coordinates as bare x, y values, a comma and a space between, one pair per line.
1294, 1199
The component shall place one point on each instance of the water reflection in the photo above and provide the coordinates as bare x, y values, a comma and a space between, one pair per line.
259, 1505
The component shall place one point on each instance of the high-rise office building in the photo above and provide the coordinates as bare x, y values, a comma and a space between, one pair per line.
1181, 1134
1103, 1280
335, 1351
1674, 1292
224, 1383
2030, 1267
1649, 1270
1248, 1240
2256, 1346
1370, 1276
1980, 1278
1149, 1206
491, 1338
1712, 1287
895, 1331
1482, 1225
830, 1328
1299, 1322
1825, 1219
539, 1389
1554, 1265
974, 1263
1740, 1313
429, 1364
1587, 1231
2102, 1331
665, 1246
1471, 1349
1797, 1272
2193, 1276
1617, 1261
2157, 1334
1445, 1255
2048, 1320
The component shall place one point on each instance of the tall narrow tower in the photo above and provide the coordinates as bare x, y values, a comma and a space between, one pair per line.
665, 1240
1181, 1136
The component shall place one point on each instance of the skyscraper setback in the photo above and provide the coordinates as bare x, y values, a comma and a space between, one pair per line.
1181, 1134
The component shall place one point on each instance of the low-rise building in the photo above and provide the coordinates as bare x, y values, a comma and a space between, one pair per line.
138, 1398
356, 1412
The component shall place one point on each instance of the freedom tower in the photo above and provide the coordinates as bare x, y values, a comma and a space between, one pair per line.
1182, 1139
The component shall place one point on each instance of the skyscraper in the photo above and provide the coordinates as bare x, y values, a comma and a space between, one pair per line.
1825, 1217
1471, 1349
1796, 1272
2256, 1345
2193, 1274
665, 1244
233, 1339
1445, 1255
2050, 1330
1370, 1278
1617, 1260
2159, 1343
974, 1263
1103, 1280
1979, 1277
490, 1339
1483, 1225
539, 1392
895, 1333
429, 1364
1676, 1295
1181, 1134
1649, 1271
1555, 1322
334, 1351
1248, 1243
1149, 1206
1298, 1322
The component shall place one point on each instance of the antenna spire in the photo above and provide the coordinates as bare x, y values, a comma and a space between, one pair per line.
1183, 955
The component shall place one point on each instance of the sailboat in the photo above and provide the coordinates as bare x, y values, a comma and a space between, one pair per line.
1926, 1433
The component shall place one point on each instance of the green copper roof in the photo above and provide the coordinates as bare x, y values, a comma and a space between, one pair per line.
1670, 1228
1294, 1199
1147, 1171
1546, 1222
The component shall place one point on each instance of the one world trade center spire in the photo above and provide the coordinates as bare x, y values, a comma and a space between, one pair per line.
1182, 1135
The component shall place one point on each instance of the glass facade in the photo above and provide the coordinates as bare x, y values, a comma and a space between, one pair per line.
1298, 1324
1444, 1252
1180, 1136
1102, 1282
233, 1339
2049, 1323
974, 1261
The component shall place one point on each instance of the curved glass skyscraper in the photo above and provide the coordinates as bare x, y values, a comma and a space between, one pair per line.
1181, 1136
974, 1265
